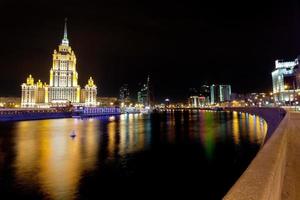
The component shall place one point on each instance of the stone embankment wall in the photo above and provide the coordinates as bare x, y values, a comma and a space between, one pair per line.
274, 173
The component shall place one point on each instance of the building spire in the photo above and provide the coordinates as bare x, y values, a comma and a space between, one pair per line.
65, 30
65, 40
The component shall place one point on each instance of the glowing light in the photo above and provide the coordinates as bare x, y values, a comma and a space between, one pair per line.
235, 128
63, 82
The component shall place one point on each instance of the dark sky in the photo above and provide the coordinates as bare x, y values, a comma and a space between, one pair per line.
181, 44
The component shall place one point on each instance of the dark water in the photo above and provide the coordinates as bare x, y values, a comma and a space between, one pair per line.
183, 154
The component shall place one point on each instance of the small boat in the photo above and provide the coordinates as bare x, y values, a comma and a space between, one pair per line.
73, 134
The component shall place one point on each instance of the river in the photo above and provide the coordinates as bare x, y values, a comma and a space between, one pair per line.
160, 155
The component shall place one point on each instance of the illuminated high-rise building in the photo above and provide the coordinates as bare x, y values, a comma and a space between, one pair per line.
220, 93
225, 93
63, 87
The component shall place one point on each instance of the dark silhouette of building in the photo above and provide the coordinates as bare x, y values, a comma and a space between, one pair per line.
124, 94
145, 94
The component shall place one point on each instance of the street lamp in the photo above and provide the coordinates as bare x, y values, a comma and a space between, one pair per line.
286, 87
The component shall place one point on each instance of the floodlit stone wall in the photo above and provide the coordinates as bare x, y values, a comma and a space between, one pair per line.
274, 173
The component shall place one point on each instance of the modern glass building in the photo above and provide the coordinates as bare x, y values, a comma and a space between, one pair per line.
220, 93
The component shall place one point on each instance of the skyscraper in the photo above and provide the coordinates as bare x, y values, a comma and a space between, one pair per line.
220, 93
124, 93
63, 85
214, 94
145, 94
225, 93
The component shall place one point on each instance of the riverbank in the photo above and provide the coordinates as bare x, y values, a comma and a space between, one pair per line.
32, 114
275, 171
52, 113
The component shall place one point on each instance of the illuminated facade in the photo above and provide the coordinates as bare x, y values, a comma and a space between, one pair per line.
220, 93
90, 93
285, 80
33, 93
197, 101
63, 85
28, 93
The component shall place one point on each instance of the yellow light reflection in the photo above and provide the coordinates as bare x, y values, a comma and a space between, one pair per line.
111, 139
252, 128
235, 128
132, 134
51, 158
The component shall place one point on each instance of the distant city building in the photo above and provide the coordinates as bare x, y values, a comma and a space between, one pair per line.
197, 101
252, 99
220, 93
142, 95
225, 93
63, 86
10, 102
214, 94
107, 101
124, 94
204, 91
286, 80
145, 94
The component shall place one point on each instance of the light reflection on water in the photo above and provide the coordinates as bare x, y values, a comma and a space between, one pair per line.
46, 157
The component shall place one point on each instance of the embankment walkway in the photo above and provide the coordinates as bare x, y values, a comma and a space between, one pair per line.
274, 173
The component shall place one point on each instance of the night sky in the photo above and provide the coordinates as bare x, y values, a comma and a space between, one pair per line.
181, 44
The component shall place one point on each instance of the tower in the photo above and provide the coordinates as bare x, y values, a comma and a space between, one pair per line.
63, 85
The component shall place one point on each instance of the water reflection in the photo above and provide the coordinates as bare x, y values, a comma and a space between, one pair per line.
208, 134
236, 128
46, 154
46, 157
246, 125
133, 132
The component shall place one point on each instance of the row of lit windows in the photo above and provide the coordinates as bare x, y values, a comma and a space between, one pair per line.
63, 81
101, 110
62, 93
28, 96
